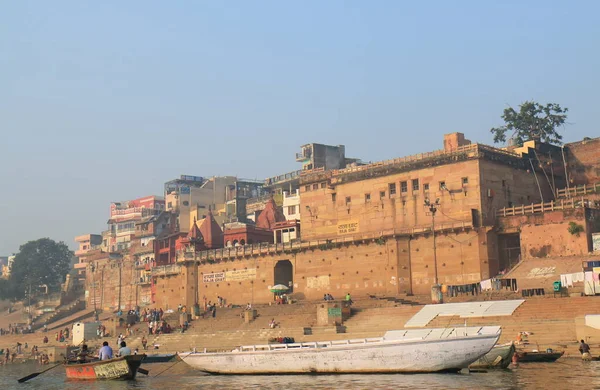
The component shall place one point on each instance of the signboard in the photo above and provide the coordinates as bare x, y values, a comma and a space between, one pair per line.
596, 242
348, 227
240, 275
334, 312
215, 277
230, 276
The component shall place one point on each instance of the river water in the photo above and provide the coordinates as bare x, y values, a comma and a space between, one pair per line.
563, 374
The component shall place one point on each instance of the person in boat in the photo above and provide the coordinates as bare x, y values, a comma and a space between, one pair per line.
124, 350
105, 352
84, 354
584, 349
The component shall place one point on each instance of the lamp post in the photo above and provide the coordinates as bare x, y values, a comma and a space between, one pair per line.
436, 290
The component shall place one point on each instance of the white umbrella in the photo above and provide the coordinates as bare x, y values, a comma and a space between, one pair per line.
279, 288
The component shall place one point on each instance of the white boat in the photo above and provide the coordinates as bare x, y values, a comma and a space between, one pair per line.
398, 351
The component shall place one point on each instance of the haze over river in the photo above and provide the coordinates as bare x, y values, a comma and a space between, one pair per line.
564, 374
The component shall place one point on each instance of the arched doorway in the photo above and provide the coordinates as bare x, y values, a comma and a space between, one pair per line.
284, 274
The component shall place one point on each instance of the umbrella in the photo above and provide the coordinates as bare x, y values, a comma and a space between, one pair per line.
279, 288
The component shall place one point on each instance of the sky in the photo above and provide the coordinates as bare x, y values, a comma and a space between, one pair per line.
105, 101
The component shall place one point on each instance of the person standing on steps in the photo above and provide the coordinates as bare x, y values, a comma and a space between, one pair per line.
144, 343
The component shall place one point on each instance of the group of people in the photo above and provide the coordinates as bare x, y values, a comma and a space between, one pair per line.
104, 353
8, 356
327, 297
15, 329
62, 335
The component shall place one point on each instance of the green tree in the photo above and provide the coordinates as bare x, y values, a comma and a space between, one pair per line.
39, 262
533, 121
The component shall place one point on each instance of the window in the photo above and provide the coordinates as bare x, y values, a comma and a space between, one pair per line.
465, 180
186, 203
415, 184
443, 186
392, 188
307, 188
316, 186
381, 194
170, 205
348, 200
367, 198
333, 197
426, 187
324, 184
403, 186
291, 210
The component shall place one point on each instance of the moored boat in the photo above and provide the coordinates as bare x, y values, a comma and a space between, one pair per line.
499, 357
125, 367
160, 358
398, 351
538, 357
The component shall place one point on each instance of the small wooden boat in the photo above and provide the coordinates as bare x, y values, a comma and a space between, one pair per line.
125, 367
538, 357
499, 357
161, 358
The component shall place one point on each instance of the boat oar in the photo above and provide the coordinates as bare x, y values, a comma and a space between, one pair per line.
142, 371
31, 376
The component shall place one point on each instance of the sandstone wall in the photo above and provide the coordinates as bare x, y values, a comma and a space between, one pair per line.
583, 161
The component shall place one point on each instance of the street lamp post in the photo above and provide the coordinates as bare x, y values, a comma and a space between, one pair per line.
436, 290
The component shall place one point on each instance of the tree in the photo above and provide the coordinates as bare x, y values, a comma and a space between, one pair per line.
533, 122
39, 262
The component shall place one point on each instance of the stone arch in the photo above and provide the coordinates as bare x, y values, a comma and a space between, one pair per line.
283, 273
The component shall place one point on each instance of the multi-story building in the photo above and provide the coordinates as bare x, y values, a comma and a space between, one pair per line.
124, 215
455, 216
291, 205
87, 243
192, 196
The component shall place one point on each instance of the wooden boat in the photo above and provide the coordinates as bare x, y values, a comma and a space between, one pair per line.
538, 357
161, 358
125, 367
499, 357
398, 351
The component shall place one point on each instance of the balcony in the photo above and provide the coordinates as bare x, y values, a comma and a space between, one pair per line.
167, 270
301, 157
295, 175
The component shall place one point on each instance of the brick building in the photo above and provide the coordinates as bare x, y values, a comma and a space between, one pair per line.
366, 228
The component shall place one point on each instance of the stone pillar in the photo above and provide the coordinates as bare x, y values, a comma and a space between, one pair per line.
330, 313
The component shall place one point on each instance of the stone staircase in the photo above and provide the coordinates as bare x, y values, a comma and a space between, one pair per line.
58, 314
551, 322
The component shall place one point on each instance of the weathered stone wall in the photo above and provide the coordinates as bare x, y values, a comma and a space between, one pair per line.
367, 206
546, 234
362, 269
504, 186
583, 161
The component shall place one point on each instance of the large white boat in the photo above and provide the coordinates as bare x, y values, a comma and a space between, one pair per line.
398, 351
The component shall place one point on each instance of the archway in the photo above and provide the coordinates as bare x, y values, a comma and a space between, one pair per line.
284, 274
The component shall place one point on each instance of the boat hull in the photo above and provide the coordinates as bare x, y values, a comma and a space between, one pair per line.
385, 356
538, 357
499, 357
122, 368
161, 358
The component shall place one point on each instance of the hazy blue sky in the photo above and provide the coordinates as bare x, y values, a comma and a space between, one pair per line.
106, 100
